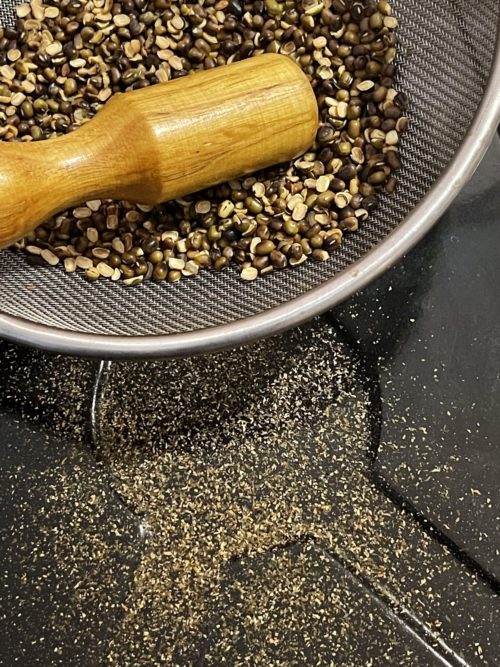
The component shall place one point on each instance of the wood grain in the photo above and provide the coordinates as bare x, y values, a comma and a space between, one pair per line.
163, 142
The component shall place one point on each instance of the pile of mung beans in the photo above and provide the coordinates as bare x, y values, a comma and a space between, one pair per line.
66, 58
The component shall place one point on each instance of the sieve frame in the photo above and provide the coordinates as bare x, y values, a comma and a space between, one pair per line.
316, 301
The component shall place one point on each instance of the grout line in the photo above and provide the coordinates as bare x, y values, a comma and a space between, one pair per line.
418, 629
432, 530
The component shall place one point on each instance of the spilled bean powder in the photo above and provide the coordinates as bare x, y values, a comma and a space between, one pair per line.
248, 476
66, 58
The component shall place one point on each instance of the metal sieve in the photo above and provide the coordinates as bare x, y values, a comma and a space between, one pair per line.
449, 65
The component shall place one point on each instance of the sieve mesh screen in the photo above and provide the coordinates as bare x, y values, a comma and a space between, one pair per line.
445, 56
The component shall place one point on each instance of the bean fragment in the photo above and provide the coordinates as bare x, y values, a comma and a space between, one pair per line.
249, 273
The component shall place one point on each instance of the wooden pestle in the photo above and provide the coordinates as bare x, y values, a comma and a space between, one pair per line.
163, 142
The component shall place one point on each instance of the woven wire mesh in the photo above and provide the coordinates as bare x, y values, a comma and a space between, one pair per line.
445, 55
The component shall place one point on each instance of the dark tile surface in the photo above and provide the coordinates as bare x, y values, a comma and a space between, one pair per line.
121, 557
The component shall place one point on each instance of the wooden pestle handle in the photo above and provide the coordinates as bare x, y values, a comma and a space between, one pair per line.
163, 142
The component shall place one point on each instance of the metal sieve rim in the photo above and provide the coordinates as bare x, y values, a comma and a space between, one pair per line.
312, 303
